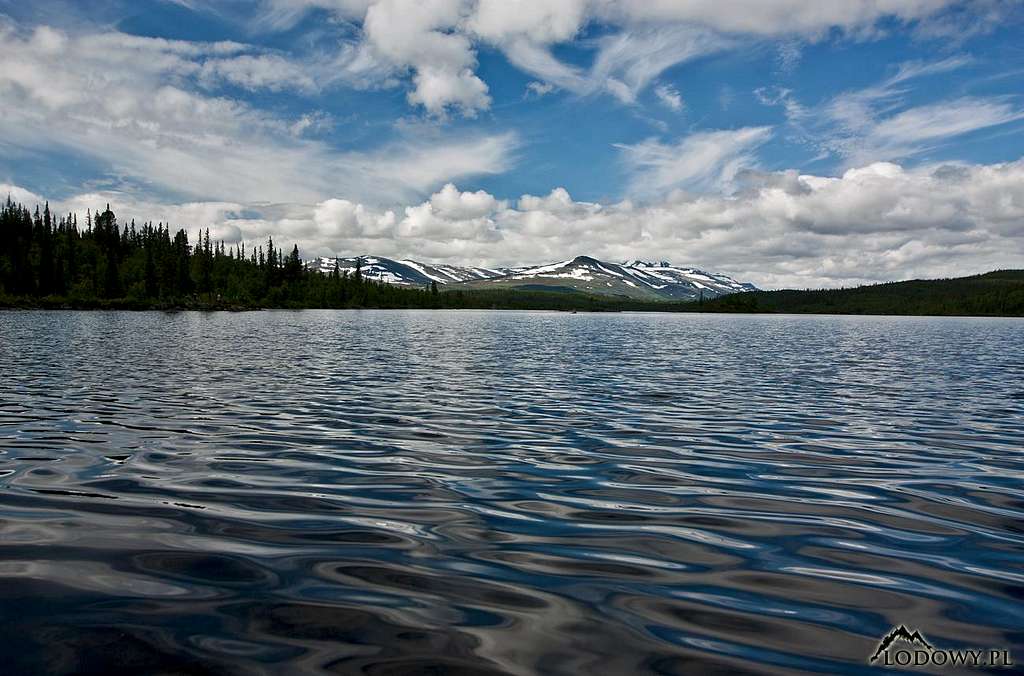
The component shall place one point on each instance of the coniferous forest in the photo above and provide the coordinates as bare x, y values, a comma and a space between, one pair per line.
997, 293
55, 261
99, 262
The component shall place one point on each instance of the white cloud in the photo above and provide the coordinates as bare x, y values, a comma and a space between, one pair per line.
911, 131
132, 105
912, 69
540, 21
418, 36
284, 14
19, 195
258, 71
772, 17
626, 63
669, 97
453, 204
789, 53
434, 42
875, 123
539, 89
438, 88
697, 162
311, 123
876, 222
342, 219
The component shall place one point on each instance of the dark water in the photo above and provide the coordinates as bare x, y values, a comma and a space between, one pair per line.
477, 492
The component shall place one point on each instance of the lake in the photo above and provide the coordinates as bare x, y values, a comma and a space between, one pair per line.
483, 492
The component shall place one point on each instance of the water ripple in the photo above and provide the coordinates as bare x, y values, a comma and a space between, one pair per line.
506, 493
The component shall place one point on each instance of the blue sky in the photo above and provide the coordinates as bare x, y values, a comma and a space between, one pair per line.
784, 142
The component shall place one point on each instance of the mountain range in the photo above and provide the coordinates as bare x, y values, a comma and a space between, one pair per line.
645, 280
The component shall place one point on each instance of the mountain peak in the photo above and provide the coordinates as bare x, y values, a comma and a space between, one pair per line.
646, 264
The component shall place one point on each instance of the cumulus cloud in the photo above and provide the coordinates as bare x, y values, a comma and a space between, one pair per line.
781, 229
345, 220
453, 204
19, 195
418, 36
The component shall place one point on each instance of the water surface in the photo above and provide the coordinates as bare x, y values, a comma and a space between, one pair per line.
501, 492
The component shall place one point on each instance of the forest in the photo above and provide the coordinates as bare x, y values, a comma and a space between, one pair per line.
997, 293
53, 261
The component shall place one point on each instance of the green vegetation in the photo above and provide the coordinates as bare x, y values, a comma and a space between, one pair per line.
50, 262
994, 293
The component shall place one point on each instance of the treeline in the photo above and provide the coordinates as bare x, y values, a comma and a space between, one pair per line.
999, 293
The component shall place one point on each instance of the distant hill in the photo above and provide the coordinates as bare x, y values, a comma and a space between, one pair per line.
993, 293
634, 280
404, 272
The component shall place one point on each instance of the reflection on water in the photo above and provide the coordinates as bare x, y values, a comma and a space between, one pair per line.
477, 492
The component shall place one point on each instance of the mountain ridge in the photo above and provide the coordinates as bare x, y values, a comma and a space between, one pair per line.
636, 279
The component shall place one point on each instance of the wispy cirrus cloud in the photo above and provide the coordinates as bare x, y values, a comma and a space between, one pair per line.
670, 97
877, 123
138, 107
701, 161
917, 130
433, 44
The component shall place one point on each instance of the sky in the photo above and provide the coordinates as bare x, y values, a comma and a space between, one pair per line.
784, 142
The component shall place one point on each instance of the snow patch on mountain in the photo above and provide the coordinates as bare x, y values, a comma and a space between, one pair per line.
633, 278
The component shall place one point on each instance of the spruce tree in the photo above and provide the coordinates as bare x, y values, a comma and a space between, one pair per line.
293, 266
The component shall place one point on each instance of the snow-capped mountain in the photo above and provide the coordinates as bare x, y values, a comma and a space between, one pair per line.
680, 282
633, 279
404, 272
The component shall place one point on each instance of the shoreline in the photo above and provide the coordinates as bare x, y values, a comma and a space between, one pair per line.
133, 306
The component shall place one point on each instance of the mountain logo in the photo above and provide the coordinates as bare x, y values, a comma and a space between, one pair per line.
903, 634
908, 648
